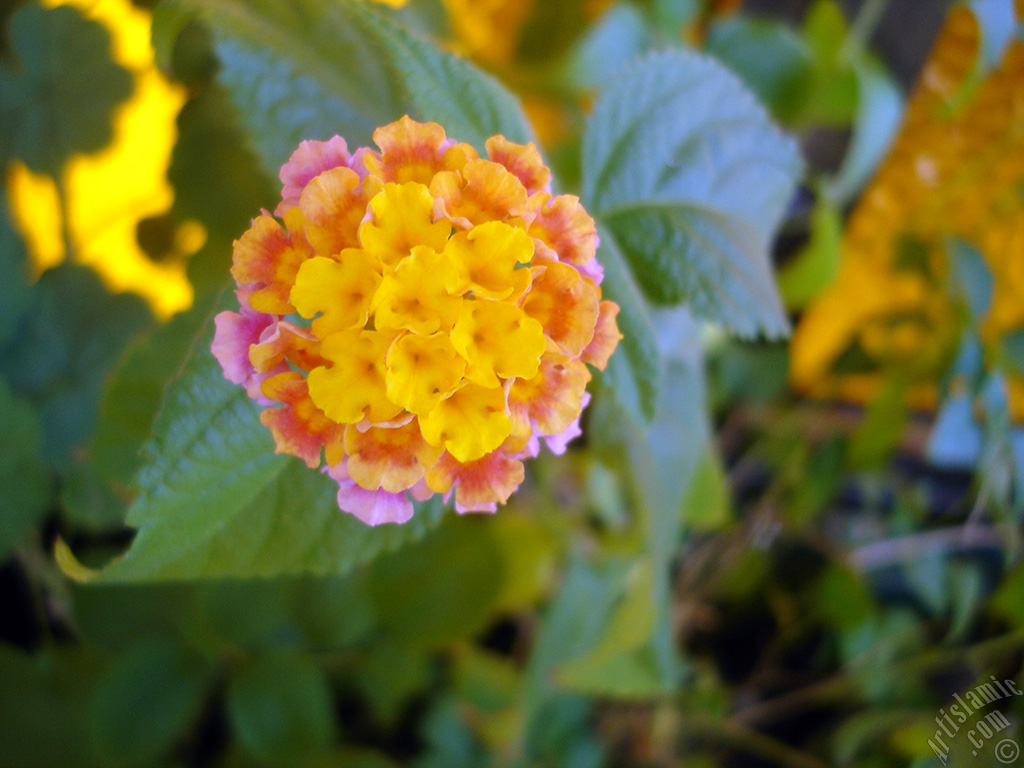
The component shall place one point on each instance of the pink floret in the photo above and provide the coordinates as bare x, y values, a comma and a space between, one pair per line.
372, 507
235, 333
310, 160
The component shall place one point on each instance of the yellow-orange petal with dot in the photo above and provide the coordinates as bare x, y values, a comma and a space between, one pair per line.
337, 293
409, 151
565, 304
470, 423
482, 191
352, 386
479, 484
422, 370
394, 459
498, 341
333, 203
403, 218
564, 225
486, 260
552, 399
284, 341
415, 296
606, 336
523, 160
299, 427
269, 256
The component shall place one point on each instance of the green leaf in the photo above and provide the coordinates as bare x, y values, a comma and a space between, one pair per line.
707, 505
634, 369
620, 664
62, 352
771, 59
689, 253
878, 117
575, 621
312, 69
280, 709
663, 462
43, 704
299, 70
997, 22
619, 36
216, 501
830, 89
690, 177
390, 674
15, 291
58, 95
144, 703
97, 493
816, 265
1012, 351
442, 588
24, 475
956, 438
973, 281
439, 86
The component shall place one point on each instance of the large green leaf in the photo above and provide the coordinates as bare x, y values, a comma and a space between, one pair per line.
690, 177
64, 347
299, 70
634, 370
44, 702
15, 291
215, 501
144, 704
24, 475
59, 93
439, 86
280, 709
96, 493
312, 69
425, 604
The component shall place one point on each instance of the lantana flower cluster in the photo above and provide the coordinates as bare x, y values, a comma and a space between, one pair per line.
418, 318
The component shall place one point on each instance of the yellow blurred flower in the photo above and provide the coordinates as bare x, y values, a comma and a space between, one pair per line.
96, 208
955, 170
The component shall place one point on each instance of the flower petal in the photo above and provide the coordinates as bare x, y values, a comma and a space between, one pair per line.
565, 304
269, 256
410, 151
497, 339
606, 336
309, 160
422, 370
482, 191
298, 426
415, 296
470, 423
372, 507
563, 225
394, 459
486, 258
353, 386
551, 399
333, 205
337, 293
523, 160
479, 484
402, 219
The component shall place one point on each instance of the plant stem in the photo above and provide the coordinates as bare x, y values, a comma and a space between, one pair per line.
734, 735
862, 28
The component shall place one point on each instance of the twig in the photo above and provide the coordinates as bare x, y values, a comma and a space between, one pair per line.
735, 735
889, 551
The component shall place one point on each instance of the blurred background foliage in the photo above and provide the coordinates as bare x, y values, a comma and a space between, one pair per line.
812, 547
